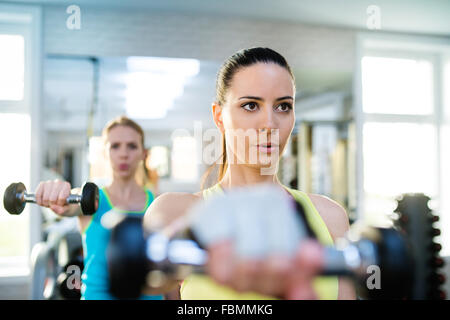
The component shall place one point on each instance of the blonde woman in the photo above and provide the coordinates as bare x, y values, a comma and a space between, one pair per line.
124, 142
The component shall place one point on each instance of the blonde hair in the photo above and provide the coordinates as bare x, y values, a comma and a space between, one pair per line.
147, 177
123, 121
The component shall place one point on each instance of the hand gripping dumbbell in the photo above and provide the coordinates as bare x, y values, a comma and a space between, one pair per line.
260, 220
16, 196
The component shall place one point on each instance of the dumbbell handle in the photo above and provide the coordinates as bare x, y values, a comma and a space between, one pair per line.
31, 198
349, 261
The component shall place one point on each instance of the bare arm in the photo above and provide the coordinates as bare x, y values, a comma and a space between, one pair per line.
162, 213
337, 221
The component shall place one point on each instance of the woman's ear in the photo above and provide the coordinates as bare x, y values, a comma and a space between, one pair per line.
217, 116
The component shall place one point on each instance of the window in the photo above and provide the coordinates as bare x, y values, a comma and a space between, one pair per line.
398, 158
403, 122
20, 96
397, 86
445, 164
447, 91
15, 130
399, 152
159, 160
12, 67
99, 167
184, 159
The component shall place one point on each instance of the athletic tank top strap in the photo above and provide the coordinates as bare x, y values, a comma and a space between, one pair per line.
313, 217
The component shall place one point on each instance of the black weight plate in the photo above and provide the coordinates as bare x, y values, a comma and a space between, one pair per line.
127, 264
11, 201
89, 198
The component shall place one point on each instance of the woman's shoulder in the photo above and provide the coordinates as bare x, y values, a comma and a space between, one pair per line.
171, 199
332, 213
168, 207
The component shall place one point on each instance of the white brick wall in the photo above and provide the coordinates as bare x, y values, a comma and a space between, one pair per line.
112, 32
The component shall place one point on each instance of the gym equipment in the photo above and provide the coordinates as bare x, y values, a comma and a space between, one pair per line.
135, 259
51, 258
16, 196
69, 280
127, 258
416, 221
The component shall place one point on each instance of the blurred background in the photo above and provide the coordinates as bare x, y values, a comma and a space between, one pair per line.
372, 100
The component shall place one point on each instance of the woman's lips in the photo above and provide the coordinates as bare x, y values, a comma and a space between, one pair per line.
267, 148
123, 167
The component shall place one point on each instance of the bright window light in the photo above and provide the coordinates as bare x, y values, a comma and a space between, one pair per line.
398, 158
184, 161
447, 90
15, 130
159, 160
12, 67
100, 169
444, 214
397, 86
153, 84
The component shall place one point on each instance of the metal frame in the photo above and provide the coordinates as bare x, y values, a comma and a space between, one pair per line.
433, 49
27, 20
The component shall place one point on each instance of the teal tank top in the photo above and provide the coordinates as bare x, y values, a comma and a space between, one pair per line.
95, 280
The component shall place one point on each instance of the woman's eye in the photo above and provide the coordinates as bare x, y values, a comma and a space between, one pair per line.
251, 106
284, 107
132, 146
114, 146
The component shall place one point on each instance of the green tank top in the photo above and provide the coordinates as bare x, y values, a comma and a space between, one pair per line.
202, 287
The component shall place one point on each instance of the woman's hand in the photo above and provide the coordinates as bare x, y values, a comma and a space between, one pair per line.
53, 195
278, 276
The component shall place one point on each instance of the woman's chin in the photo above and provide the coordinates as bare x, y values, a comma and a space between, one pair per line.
123, 174
267, 166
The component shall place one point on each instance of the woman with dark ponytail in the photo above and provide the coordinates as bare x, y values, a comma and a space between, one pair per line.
255, 92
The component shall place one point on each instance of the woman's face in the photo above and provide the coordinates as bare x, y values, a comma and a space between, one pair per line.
258, 115
124, 150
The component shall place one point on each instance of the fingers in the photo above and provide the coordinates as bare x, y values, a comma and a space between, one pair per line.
53, 195
61, 196
246, 275
307, 263
39, 193
310, 257
46, 193
226, 269
220, 262
276, 275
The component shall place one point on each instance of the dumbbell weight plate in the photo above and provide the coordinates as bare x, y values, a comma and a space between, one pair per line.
89, 198
12, 203
127, 264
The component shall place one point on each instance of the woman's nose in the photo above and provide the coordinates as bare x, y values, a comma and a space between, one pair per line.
123, 153
268, 120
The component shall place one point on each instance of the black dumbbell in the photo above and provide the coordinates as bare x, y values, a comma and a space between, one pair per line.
134, 260
16, 197
127, 263
70, 292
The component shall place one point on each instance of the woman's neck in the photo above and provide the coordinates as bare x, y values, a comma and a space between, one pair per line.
239, 175
123, 187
